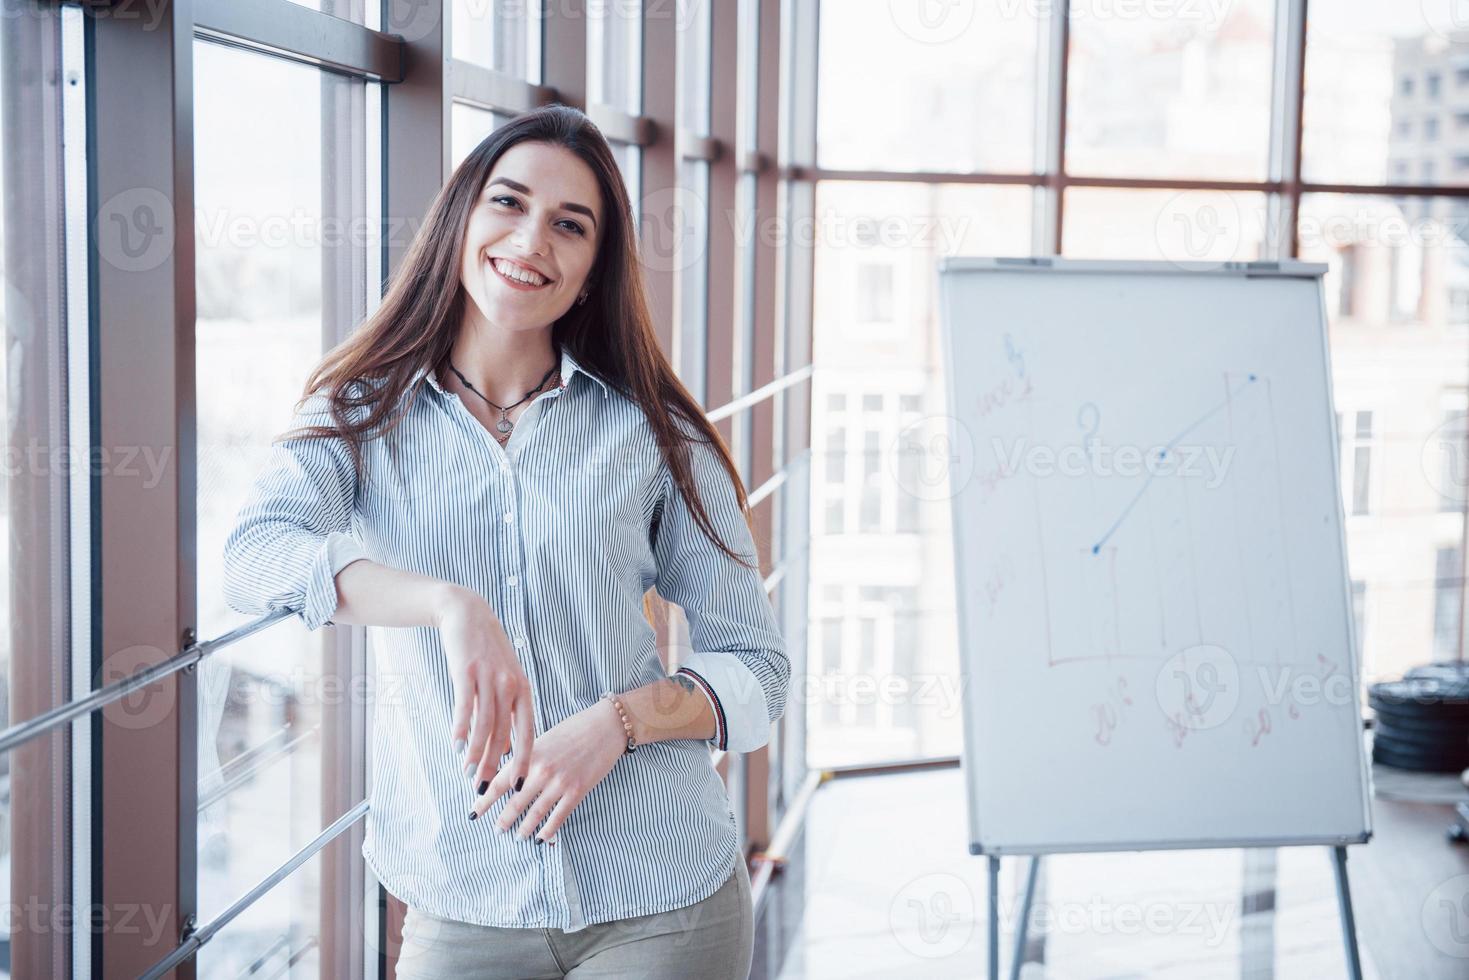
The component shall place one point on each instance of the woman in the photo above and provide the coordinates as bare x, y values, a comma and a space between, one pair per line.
498, 464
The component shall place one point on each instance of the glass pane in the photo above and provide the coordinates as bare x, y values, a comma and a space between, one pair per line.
1179, 226
630, 162
284, 933
1400, 360
501, 34
694, 41
468, 126
915, 86
615, 53
1385, 93
681, 232
365, 12
267, 283
880, 508
1170, 90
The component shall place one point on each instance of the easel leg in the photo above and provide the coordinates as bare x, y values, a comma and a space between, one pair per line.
1021, 929
1344, 903
994, 950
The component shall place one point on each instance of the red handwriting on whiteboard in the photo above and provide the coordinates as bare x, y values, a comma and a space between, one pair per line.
1108, 714
1000, 574
1006, 392
1258, 727
1176, 728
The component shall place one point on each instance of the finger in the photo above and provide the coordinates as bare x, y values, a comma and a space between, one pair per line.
484, 718
498, 742
553, 823
514, 803
525, 733
536, 814
463, 703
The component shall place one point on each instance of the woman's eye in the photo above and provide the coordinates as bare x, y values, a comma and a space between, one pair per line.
570, 225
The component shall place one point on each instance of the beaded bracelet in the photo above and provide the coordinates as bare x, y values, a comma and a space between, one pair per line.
632, 744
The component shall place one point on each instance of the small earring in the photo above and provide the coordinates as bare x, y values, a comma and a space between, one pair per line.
581, 299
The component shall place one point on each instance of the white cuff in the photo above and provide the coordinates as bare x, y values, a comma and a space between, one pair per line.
742, 719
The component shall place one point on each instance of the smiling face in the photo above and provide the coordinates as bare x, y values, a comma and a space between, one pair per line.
532, 236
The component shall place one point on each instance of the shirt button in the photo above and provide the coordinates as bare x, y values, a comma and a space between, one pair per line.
513, 580
509, 516
520, 642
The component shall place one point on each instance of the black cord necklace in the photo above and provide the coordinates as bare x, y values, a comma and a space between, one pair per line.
504, 424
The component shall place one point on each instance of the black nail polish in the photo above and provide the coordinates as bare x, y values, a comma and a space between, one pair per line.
539, 841
482, 787
473, 814
519, 783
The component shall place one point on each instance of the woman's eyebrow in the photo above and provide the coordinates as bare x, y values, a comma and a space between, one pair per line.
516, 185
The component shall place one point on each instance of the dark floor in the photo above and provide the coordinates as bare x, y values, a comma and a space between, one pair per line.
882, 885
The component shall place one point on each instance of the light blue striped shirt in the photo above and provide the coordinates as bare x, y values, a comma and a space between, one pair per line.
562, 531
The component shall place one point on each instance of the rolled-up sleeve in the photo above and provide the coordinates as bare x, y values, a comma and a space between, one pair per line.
293, 533
739, 657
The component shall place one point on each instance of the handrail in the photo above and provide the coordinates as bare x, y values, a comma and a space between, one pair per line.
196, 938
759, 394
105, 695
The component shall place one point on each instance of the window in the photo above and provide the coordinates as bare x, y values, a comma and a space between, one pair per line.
1452, 447
1430, 128
1448, 581
1212, 226
468, 126
269, 303
1406, 85
1361, 462
875, 292
1431, 83
954, 93
1359, 616
1146, 93
503, 35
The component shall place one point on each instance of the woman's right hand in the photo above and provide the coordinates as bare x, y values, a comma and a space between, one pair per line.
488, 682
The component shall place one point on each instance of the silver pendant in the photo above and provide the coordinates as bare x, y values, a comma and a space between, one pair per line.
504, 424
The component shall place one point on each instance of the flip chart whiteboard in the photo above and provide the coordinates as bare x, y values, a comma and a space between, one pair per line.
1154, 611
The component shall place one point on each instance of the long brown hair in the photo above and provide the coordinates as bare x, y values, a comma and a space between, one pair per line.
611, 334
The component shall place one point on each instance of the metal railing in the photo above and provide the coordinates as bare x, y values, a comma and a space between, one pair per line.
185, 659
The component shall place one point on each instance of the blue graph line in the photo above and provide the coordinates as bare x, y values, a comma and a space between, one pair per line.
1163, 454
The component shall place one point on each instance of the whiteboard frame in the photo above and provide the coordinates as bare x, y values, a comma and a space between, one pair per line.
1284, 269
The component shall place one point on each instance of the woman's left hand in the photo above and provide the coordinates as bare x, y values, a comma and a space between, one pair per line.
569, 759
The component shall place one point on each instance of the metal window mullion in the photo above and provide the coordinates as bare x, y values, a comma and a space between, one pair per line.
300, 33
493, 90
1050, 134
1284, 162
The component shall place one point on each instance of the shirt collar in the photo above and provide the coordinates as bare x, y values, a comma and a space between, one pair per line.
569, 366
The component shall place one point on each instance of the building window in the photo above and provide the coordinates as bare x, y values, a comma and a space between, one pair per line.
1404, 128
1359, 616
870, 519
1452, 457
1448, 586
1428, 171
1347, 281
1361, 464
1431, 84
1406, 85
1430, 128
875, 292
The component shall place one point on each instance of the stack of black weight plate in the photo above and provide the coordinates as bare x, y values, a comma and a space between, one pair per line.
1423, 720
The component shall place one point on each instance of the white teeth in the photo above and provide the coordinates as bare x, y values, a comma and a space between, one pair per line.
529, 278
